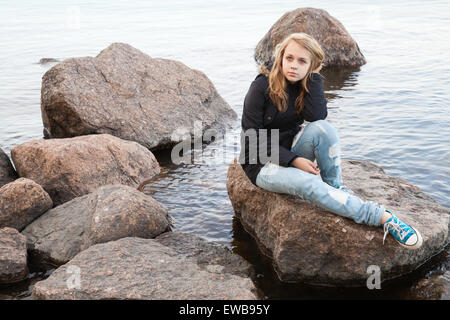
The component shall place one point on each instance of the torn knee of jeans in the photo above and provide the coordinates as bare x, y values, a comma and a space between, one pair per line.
339, 196
334, 152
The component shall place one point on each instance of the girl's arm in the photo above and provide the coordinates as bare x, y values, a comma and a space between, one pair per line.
252, 118
315, 104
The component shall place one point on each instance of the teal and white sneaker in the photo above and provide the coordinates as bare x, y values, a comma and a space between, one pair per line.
406, 235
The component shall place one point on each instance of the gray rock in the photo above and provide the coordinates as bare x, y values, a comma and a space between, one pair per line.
22, 201
47, 60
72, 167
13, 256
311, 245
136, 268
207, 254
7, 172
109, 213
339, 47
128, 94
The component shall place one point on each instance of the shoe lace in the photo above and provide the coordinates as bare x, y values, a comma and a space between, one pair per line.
395, 225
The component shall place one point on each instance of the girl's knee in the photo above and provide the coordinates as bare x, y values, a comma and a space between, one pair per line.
321, 127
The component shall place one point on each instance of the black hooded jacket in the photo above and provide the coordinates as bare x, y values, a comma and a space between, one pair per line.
259, 112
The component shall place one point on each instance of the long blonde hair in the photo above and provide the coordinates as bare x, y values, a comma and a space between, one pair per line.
277, 81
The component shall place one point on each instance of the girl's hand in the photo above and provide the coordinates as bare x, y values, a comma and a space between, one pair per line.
306, 165
318, 68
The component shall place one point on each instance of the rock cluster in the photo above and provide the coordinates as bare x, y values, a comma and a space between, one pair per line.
109, 213
71, 167
75, 195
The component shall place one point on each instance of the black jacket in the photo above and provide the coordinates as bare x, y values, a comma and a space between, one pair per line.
259, 112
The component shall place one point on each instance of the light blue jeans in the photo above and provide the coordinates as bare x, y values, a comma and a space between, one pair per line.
319, 141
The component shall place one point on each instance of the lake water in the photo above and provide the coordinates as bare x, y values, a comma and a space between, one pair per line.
392, 111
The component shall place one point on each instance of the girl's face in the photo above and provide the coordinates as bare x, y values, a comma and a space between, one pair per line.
296, 62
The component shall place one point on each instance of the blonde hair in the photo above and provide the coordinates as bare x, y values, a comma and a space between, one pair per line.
277, 81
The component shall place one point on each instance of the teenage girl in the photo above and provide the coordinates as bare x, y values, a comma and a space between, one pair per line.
279, 100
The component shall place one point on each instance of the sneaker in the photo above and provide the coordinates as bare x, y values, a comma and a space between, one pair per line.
345, 189
405, 235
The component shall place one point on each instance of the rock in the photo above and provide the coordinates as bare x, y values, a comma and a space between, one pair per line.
128, 94
13, 256
308, 244
47, 60
72, 167
22, 201
207, 254
136, 268
434, 286
7, 172
339, 47
109, 213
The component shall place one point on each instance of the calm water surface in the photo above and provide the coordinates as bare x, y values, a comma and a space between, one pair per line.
392, 111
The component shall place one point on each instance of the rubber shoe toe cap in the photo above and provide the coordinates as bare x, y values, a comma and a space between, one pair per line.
414, 241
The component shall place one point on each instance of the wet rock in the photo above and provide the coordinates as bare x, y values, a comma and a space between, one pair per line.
13, 256
309, 244
207, 254
47, 60
22, 201
128, 94
71, 167
109, 213
432, 287
339, 47
7, 172
136, 268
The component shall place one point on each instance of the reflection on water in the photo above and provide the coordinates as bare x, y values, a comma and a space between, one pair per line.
337, 79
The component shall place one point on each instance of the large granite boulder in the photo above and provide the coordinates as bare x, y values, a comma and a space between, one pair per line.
13, 256
339, 47
311, 245
7, 172
71, 167
22, 201
109, 213
126, 93
137, 268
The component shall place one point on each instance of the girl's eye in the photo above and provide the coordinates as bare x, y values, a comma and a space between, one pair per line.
289, 58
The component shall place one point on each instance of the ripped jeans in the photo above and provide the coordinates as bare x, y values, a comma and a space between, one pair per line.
319, 141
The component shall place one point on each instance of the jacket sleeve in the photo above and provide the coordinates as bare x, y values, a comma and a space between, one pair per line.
315, 104
253, 118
